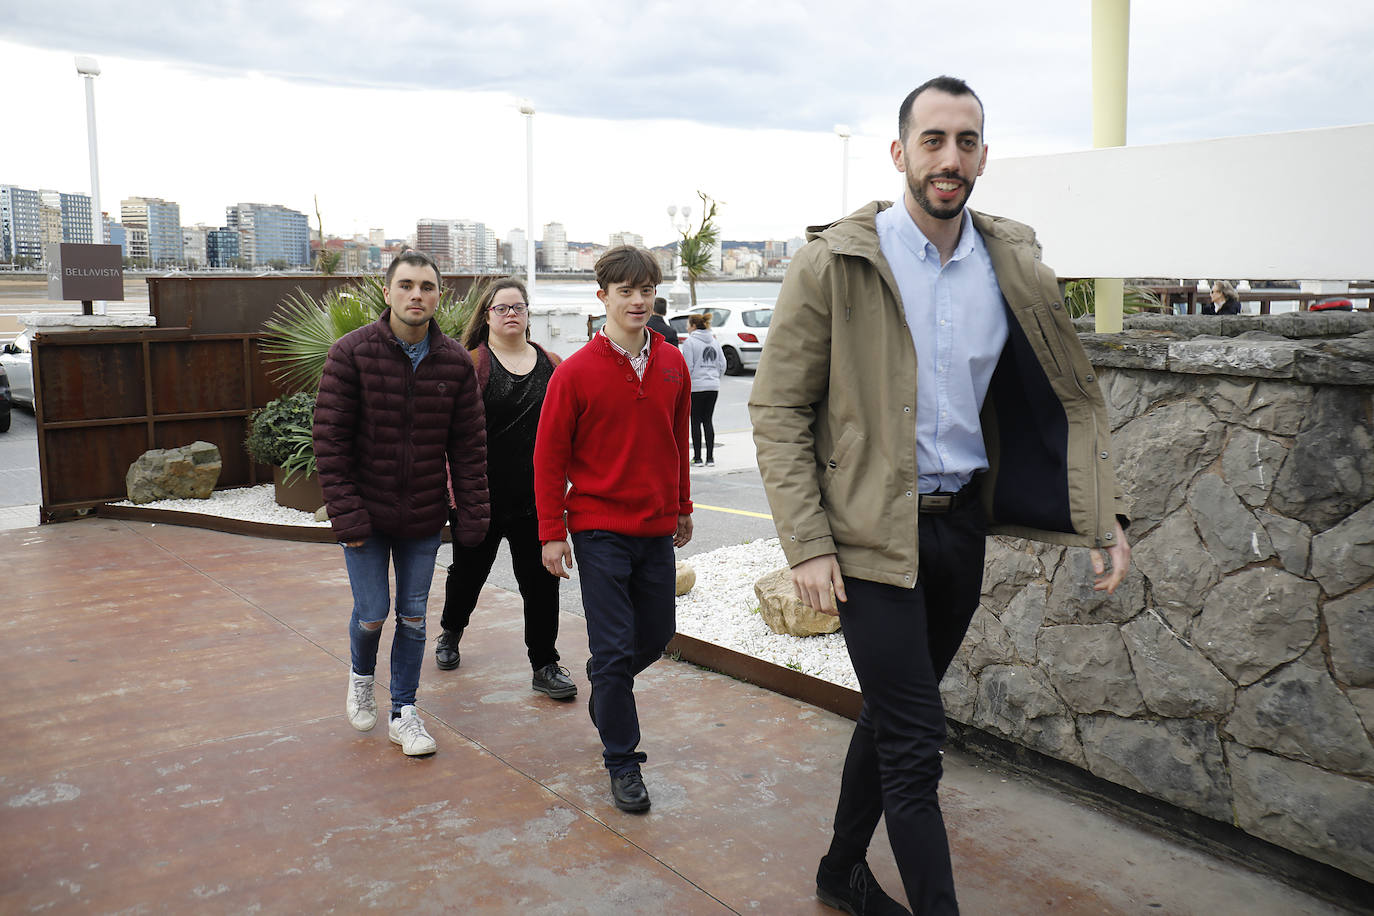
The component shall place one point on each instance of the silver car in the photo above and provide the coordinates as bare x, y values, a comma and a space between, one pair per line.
18, 365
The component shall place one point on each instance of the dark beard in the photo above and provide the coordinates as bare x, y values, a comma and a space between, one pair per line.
918, 193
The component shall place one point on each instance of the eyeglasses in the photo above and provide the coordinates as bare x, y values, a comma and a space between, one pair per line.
519, 308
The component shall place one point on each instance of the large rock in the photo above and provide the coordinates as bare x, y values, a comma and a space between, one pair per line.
686, 578
1226, 356
1226, 396
1023, 618
1010, 565
1178, 760
1298, 711
1072, 598
1090, 669
1362, 698
959, 691
1255, 621
1292, 540
1020, 704
188, 472
1350, 630
1278, 407
1330, 470
784, 613
1322, 815
1233, 536
1175, 679
1343, 556
1130, 393
1251, 462
1153, 455
1180, 570
987, 642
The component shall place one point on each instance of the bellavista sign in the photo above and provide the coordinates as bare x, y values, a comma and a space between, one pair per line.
85, 272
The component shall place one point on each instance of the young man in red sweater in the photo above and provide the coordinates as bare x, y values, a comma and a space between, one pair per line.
610, 466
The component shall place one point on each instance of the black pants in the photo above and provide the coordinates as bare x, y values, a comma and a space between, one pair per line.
627, 594
703, 405
539, 589
901, 641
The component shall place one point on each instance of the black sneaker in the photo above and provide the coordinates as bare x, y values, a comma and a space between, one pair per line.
446, 655
855, 892
629, 793
554, 681
591, 694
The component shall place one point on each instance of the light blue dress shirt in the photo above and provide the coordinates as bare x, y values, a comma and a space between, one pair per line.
958, 324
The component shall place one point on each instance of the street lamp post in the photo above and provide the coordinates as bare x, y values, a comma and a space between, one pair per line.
842, 131
681, 220
89, 70
527, 109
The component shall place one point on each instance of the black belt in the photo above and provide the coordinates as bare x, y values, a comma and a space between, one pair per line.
941, 503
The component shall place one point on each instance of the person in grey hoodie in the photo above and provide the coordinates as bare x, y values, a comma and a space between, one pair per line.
704, 362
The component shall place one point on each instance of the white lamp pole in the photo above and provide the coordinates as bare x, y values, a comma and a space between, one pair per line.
527, 109
842, 131
681, 219
88, 68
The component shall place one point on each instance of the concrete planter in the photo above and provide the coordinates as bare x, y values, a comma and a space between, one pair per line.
301, 493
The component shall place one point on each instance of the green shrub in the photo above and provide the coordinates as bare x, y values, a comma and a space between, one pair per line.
277, 432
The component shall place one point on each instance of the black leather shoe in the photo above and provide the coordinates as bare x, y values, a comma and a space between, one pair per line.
629, 793
855, 892
554, 681
591, 694
446, 655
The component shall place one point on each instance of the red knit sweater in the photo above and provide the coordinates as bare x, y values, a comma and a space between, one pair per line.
611, 450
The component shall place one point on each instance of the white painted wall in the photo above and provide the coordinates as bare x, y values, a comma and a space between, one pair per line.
1271, 206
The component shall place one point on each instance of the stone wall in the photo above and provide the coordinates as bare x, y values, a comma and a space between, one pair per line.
1233, 673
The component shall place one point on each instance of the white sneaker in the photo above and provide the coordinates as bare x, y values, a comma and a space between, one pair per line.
409, 732
362, 704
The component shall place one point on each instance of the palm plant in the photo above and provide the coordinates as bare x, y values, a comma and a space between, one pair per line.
697, 249
1080, 298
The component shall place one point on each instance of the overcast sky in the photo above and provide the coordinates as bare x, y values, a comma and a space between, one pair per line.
391, 113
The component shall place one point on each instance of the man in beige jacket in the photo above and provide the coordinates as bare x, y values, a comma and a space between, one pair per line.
922, 386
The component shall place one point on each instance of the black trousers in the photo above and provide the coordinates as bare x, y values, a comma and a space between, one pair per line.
539, 589
627, 594
703, 406
901, 641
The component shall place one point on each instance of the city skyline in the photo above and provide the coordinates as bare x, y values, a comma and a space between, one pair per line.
222, 104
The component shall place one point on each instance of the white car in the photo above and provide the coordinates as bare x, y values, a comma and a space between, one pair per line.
18, 363
740, 327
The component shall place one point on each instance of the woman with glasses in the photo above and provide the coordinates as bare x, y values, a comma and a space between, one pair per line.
513, 374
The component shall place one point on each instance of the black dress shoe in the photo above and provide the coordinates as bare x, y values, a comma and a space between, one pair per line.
629, 793
855, 892
446, 655
554, 681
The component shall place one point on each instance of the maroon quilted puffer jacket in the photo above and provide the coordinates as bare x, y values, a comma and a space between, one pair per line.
385, 435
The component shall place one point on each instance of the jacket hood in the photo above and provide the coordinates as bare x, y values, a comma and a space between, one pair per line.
705, 334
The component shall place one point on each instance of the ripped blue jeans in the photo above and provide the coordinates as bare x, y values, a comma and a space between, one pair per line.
413, 559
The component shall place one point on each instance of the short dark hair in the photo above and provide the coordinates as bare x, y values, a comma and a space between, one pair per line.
950, 85
660, 306
414, 259
478, 330
627, 264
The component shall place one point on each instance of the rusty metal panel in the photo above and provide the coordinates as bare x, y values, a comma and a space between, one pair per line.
81, 464
226, 433
196, 376
89, 382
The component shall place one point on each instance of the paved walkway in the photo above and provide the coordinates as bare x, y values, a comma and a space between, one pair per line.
175, 742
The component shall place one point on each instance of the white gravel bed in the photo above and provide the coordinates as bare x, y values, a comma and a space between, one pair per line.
722, 609
250, 504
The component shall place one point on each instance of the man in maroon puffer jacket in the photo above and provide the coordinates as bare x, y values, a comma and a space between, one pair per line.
398, 407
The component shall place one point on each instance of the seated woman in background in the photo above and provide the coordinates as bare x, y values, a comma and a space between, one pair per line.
1224, 300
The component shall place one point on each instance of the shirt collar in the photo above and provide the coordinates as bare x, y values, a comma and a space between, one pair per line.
899, 221
619, 349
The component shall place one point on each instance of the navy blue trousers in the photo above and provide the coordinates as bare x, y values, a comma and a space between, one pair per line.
627, 595
901, 641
